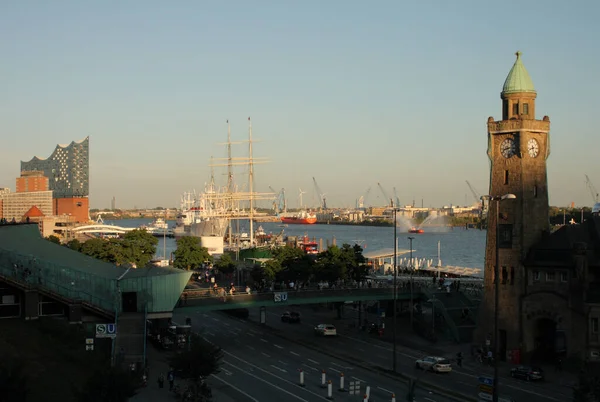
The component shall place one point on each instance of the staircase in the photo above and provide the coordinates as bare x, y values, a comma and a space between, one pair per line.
131, 338
458, 311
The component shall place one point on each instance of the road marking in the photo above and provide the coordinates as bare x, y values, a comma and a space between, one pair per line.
251, 347
264, 340
204, 315
362, 350
310, 367
358, 379
284, 363
429, 399
227, 372
267, 382
276, 376
215, 319
534, 393
266, 355
278, 347
339, 365
294, 353
232, 332
388, 391
248, 333
312, 361
332, 369
279, 368
210, 333
235, 388
227, 325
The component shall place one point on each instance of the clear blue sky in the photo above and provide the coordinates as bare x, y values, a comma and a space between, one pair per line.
351, 92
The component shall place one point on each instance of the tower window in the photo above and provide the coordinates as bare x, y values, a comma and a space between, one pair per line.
505, 240
515, 109
505, 109
506, 177
535, 191
504, 275
550, 276
525, 108
536, 276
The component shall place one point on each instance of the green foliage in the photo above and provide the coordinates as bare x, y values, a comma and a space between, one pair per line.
74, 245
136, 247
53, 239
292, 264
109, 384
346, 262
225, 264
190, 254
14, 382
202, 360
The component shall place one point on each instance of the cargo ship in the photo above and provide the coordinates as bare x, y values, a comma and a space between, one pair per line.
415, 230
301, 218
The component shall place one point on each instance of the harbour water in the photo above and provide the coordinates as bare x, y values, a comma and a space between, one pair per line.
459, 246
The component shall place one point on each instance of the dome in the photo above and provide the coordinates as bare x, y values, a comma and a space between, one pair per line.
596, 209
518, 79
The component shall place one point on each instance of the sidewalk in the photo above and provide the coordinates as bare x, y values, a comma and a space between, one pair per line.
158, 363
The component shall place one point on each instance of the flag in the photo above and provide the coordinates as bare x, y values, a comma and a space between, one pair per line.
248, 118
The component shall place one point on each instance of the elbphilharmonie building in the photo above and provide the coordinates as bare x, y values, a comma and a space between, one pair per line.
67, 169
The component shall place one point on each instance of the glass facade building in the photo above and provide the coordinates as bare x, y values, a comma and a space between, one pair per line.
67, 169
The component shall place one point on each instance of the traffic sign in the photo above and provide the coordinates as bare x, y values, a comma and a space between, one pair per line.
485, 397
89, 347
486, 380
279, 297
89, 341
488, 389
106, 331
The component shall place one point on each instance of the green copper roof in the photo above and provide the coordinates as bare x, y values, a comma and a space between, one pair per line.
518, 79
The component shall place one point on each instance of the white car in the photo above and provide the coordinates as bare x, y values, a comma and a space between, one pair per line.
325, 330
435, 364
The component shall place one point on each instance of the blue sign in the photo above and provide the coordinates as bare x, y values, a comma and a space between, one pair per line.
486, 380
111, 329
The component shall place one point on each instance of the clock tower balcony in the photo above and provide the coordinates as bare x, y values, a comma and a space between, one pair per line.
516, 125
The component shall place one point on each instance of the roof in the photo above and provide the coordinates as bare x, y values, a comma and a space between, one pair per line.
385, 253
26, 240
518, 79
33, 212
556, 249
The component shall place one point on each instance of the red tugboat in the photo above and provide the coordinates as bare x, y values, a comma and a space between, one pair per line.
416, 231
301, 218
310, 247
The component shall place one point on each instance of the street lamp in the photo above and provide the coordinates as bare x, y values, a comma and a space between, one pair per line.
497, 286
395, 285
412, 327
432, 301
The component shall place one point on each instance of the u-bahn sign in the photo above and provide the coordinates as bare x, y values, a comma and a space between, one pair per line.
106, 331
279, 297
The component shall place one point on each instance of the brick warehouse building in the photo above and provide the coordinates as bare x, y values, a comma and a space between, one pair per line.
67, 172
549, 283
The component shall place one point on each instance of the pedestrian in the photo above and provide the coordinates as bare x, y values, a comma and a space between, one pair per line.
171, 379
161, 380
459, 359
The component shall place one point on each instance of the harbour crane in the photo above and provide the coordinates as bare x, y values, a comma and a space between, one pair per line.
479, 200
396, 197
385, 195
475, 193
362, 201
592, 189
320, 195
279, 203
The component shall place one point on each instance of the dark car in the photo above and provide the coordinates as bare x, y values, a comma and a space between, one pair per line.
527, 373
290, 316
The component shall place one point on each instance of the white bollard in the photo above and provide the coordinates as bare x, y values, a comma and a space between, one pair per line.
365, 398
329, 390
323, 379
393, 397
368, 392
301, 378
341, 382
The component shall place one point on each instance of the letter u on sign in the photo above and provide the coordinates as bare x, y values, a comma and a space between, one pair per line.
280, 297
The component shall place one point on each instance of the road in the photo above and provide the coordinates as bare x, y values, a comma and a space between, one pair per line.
354, 344
261, 367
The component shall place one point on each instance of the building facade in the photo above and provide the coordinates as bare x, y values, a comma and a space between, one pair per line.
32, 181
67, 169
16, 205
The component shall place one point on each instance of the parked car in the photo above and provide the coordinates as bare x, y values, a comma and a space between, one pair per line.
290, 316
527, 373
325, 330
435, 364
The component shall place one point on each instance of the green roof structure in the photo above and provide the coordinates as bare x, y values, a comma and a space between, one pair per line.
518, 79
77, 276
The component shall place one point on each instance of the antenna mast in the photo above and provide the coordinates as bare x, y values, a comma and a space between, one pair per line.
251, 181
229, 160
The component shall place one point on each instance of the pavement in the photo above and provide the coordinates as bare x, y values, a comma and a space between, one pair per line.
353, 350
261, 366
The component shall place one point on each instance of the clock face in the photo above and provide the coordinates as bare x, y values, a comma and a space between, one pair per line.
508, 148
533, 148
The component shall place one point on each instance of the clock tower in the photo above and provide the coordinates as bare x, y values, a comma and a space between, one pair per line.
518, 147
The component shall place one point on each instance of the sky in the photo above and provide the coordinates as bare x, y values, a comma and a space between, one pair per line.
352, 93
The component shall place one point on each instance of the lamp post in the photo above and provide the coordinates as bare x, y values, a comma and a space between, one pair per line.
412, 308
497, 286
395, 284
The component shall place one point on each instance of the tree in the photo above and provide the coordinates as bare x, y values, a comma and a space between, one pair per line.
331, 265
197, 363
14, 383
53, 239
225, 264
74, 245
109, 384
190, 254
138, 247
358, 269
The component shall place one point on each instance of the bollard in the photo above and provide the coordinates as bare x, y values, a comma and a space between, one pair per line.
365, 398
301, 378
341, 382
368, 392
329, 390
323, 379
393, 397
